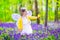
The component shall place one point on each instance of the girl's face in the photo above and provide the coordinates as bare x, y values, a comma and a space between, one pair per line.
23, 12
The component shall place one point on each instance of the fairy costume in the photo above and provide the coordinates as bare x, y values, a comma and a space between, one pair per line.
24, 24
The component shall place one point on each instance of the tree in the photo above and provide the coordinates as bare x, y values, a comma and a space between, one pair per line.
56, 12
46, 15
36, 9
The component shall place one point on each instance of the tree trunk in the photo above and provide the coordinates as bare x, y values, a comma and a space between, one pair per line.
56, 12
46, 15
36, 9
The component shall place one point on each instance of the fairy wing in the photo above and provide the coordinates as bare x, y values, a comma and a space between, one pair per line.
29, 13
15, 16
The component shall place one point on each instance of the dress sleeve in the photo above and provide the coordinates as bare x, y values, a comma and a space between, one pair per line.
19, 24
32, 17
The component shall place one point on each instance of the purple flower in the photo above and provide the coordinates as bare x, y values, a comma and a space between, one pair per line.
0, 32
7, 25
17, 36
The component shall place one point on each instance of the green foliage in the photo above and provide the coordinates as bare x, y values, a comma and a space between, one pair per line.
8, 7
50, 38
5, 36
59, 37
1, 28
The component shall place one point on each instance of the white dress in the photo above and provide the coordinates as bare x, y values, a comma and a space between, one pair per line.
27, 29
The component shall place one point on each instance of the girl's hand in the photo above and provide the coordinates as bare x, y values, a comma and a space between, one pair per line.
19, 30
38, 16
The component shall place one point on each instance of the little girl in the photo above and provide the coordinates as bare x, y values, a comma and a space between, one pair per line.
24, 25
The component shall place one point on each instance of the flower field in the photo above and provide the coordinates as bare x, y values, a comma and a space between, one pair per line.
8, 31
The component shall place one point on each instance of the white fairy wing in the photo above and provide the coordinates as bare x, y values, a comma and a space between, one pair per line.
15, 17
29, 13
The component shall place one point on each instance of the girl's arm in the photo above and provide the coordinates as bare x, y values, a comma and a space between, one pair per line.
33, 17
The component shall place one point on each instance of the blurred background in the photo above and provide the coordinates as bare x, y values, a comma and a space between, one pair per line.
8, 7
